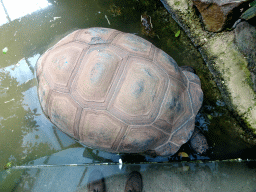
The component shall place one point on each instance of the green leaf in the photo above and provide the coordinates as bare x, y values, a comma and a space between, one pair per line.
5, 50
249, 13
253, 3
7, 165
177, 34
209, 117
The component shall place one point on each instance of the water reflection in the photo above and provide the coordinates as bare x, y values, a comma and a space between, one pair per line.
13, 9
26, 134
17, 119
3, 16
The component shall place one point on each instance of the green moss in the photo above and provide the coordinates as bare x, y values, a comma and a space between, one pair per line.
243, 67
248, 125
177, 3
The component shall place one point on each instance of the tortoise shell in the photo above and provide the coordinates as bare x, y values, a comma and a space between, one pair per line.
117, 92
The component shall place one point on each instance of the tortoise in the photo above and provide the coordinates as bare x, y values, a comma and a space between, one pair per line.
117, 92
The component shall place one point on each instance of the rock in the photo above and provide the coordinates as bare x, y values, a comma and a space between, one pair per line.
216, 13
245, 39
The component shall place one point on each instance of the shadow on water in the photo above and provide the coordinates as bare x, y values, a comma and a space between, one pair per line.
26, 134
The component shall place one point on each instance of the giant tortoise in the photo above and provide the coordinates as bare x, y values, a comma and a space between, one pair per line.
117, 92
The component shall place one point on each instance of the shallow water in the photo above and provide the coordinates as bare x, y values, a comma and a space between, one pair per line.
28, 31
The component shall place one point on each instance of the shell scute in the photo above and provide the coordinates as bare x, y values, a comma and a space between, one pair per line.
172, 103
183, 111
170, 66
133, 43
63, 111
167, 149
95, 77
139, 93
183, 134
59, 65
100, 129
141, 138
43, 92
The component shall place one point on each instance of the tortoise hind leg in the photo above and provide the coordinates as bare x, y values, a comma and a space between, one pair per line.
198, 142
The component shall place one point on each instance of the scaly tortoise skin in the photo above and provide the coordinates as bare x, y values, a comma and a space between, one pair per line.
117, 92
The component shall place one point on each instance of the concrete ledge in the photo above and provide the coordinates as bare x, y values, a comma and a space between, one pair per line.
226, 63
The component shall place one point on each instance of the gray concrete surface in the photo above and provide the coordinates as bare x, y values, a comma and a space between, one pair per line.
62, 176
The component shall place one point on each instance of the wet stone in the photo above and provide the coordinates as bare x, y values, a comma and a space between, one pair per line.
217, 13
245, 39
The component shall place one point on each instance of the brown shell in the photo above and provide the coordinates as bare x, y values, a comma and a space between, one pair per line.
117, 92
